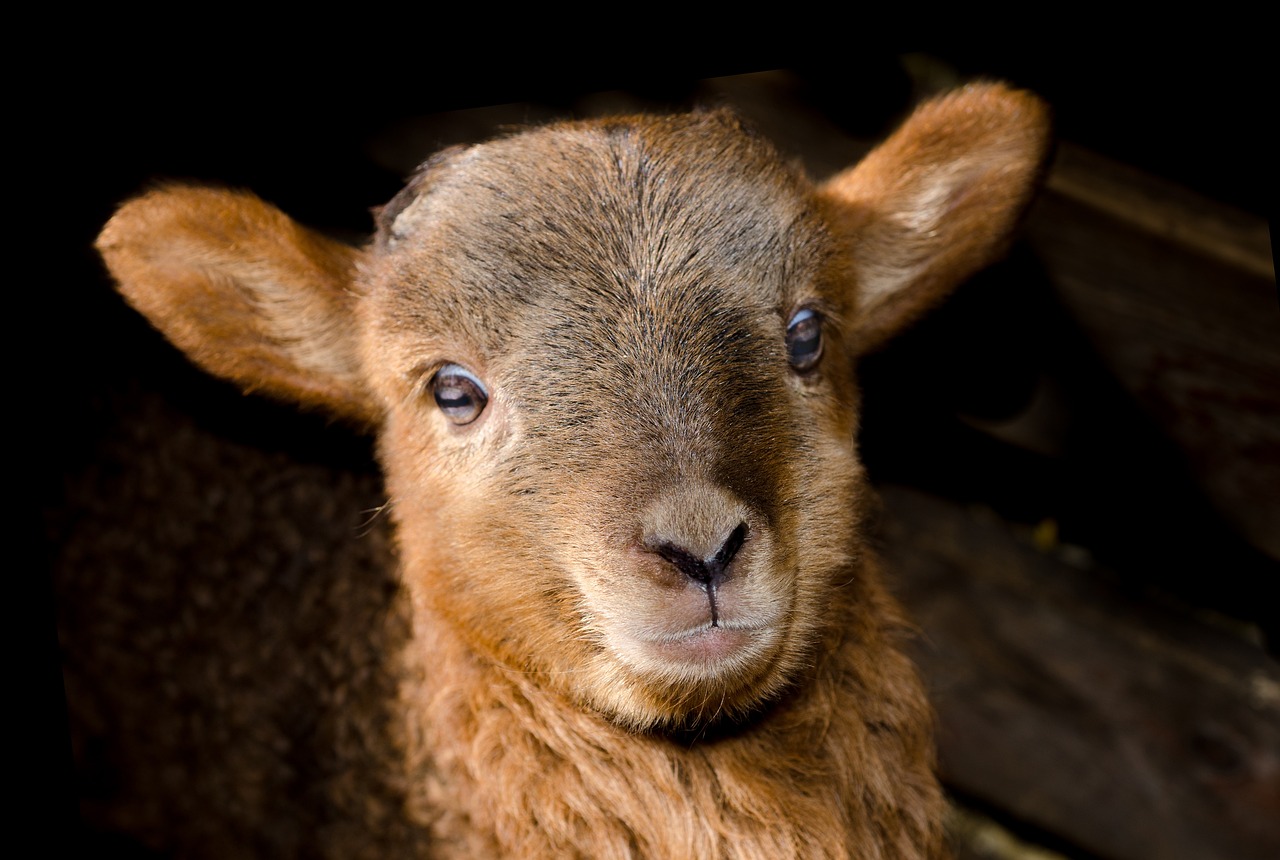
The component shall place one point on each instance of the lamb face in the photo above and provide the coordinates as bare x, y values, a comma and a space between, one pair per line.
652, 491
610, 366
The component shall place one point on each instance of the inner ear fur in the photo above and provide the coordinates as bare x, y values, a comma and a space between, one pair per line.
245, 292
934, 203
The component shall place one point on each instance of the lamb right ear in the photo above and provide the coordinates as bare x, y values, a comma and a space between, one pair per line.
245, 292
934, 203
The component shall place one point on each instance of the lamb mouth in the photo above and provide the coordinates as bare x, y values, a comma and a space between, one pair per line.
713, 644
710, 644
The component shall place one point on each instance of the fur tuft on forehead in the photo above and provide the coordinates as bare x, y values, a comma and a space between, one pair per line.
636, 199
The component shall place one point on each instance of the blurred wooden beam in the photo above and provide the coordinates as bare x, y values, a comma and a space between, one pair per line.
1177, 295
1151, 205
1130, 729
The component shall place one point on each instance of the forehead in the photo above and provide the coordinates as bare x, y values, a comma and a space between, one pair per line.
615, 215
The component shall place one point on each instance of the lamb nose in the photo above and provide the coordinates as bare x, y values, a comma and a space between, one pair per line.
709, 571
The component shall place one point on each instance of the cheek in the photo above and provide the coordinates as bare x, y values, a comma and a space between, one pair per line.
437, 496
833, 405
826, 485
475, 548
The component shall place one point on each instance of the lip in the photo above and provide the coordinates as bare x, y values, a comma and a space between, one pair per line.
703, 645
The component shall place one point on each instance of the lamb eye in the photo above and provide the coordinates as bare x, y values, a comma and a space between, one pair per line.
458, 393
804, 340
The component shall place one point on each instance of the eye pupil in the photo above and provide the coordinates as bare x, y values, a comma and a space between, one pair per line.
458, 393
804, 340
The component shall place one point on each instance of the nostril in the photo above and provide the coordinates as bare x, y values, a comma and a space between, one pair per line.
684, 561
724, 556
709, 571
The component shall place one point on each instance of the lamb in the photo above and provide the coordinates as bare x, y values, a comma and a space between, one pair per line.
610, 369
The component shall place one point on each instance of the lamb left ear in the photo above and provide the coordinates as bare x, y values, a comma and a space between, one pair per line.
245, 292
934, 203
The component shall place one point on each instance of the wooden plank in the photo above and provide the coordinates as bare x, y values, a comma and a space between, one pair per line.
1177, 295
1160, 208
1130, 729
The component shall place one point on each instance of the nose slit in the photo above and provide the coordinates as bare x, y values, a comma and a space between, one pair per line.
709, 572
733, 543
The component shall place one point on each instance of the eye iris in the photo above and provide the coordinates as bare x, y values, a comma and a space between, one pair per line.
460, 396
804, 340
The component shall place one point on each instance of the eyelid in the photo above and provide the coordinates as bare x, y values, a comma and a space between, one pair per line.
801, 315
454, 369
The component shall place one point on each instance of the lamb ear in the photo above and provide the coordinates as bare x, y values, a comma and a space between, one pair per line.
245, 292
934, 203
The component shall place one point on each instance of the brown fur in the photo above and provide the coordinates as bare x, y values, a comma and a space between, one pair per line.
623, 288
